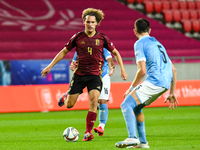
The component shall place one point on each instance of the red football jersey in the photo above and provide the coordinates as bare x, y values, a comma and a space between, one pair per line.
89, 52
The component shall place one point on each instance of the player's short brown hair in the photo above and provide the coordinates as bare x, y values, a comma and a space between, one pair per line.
99, 15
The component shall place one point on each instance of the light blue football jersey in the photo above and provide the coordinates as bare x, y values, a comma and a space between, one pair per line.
158, 64
106, 55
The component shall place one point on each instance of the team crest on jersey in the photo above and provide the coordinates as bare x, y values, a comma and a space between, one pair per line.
97, 42
82, 42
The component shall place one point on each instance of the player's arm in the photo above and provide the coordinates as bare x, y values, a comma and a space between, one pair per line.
141, 72
111, 66
173, 82
73, 64
56, 59
118, 58
172, 97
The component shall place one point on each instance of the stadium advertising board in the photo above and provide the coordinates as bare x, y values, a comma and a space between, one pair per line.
26, 72
45, 97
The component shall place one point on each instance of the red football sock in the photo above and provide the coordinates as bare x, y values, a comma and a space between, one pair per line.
90, 120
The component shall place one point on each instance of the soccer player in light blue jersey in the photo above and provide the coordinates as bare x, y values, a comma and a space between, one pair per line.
108, 70
152, 61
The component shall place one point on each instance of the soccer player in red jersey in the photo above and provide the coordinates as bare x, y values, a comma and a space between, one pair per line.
89, 46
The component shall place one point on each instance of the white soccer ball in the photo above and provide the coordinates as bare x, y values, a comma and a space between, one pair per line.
71, 134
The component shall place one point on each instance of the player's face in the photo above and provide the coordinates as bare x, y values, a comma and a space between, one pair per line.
90, 24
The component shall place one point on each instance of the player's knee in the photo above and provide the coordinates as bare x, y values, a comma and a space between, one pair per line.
140, 117
69, 104
102, 101
94, 102
138, 109
123, 105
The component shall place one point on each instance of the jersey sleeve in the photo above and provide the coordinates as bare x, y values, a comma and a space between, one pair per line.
108, 44
72, 43
139, 52
106, 54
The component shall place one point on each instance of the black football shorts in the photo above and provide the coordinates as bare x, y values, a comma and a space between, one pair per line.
79, 82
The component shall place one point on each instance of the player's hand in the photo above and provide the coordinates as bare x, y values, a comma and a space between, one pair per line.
126, 93
45, 71
73, 65
124, 75
111, 71
172, 101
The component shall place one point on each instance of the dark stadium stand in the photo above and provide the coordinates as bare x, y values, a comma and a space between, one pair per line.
40, 29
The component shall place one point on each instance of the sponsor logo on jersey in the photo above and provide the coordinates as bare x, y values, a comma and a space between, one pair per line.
83, 42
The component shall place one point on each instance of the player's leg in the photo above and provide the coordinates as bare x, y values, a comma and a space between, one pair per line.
103, 108
93, 100
140, 125
103, 116
61, 100
94, 87
145, 95
139, 117
71, 100
92, 114
75, 89
68, 100
103, 112
127, 109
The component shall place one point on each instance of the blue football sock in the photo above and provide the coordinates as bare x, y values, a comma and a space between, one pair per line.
127, 109
103, 113
140, 125
141, 131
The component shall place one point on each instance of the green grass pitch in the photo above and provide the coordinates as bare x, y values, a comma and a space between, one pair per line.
166, 129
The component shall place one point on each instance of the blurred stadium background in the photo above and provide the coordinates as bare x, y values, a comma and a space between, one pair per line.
33, 32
